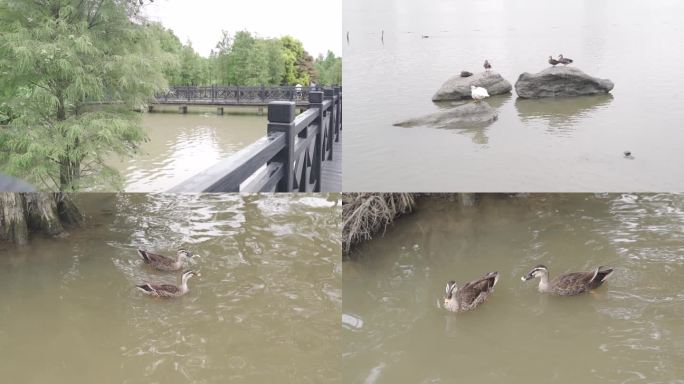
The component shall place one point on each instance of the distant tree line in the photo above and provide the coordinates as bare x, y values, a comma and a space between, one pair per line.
246, 59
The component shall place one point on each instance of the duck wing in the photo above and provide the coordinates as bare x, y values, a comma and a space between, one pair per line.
153, 258
475, 292
574, 283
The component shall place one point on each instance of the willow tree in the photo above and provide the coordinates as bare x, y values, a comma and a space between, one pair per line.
75, 70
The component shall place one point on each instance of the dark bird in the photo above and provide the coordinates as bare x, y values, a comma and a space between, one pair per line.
487, 66
628, 155
466, 74
563, 60
553, 61
424, 36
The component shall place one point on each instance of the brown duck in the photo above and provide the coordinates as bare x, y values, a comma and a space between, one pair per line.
568, 284
470, 295
165, 263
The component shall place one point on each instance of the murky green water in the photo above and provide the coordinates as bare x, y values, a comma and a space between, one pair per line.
183, 145
631, 331
266, 308
562, 145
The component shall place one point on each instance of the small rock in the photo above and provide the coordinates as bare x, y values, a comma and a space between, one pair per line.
466, 74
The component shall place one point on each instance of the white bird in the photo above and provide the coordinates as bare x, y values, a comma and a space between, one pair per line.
478, 93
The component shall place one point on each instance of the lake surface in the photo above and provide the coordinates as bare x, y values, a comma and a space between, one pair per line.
181, 146
629, 331
572, 144
265, 309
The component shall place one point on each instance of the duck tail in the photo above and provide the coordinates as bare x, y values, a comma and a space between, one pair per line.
603, 274
145, 288
495, 276
143, 254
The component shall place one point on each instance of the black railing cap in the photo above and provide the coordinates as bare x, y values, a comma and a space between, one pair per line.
281, 111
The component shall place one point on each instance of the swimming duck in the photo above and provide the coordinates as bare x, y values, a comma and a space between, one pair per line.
568, 284
553, 61
563, 60
165, 263
470, 295
478, 93
487, 66
628, 155
168, 290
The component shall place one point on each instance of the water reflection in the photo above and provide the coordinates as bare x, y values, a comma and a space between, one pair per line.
561, 113
183, 145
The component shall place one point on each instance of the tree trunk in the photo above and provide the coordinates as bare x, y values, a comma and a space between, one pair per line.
69, 172
13, 225
42, 213
22, 214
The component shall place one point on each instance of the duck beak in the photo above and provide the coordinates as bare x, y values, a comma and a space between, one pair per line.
527, 277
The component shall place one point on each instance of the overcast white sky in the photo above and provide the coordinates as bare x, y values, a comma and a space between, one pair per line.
316, 23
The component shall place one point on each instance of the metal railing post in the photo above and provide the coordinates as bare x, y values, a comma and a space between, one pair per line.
330, 95
281, 116
316, 102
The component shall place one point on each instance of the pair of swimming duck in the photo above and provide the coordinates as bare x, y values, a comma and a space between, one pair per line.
476, 292
165, 263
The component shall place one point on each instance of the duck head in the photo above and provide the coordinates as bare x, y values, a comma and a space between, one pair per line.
451, 290
184, 253
538, 271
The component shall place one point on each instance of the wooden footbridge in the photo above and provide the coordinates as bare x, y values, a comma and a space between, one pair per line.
298, 153
221, 96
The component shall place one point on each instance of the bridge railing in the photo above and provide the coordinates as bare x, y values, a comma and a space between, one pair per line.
289, 158
234, 94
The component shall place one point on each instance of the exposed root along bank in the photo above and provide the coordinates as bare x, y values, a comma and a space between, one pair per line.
366, 214
25, 213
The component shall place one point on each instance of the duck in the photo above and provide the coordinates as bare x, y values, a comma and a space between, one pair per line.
470, 295
487, 66
478, 93
563, 60
628, 155
168, 290
165, 263
553, 61
568, 284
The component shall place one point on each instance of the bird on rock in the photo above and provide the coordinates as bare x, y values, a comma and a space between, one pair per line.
487, 66
553, 61
564, 60
478, 93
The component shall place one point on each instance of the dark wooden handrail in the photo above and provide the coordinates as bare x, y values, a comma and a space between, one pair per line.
290, 156
234, 94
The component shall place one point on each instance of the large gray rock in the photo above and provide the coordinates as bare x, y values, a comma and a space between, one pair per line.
458, 88
560, 81
462, 116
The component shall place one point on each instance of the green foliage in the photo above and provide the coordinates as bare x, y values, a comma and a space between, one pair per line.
245, 59
72, 72
329, 69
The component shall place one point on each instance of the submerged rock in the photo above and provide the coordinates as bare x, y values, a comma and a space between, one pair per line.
559, 82
465, 115
458, 88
